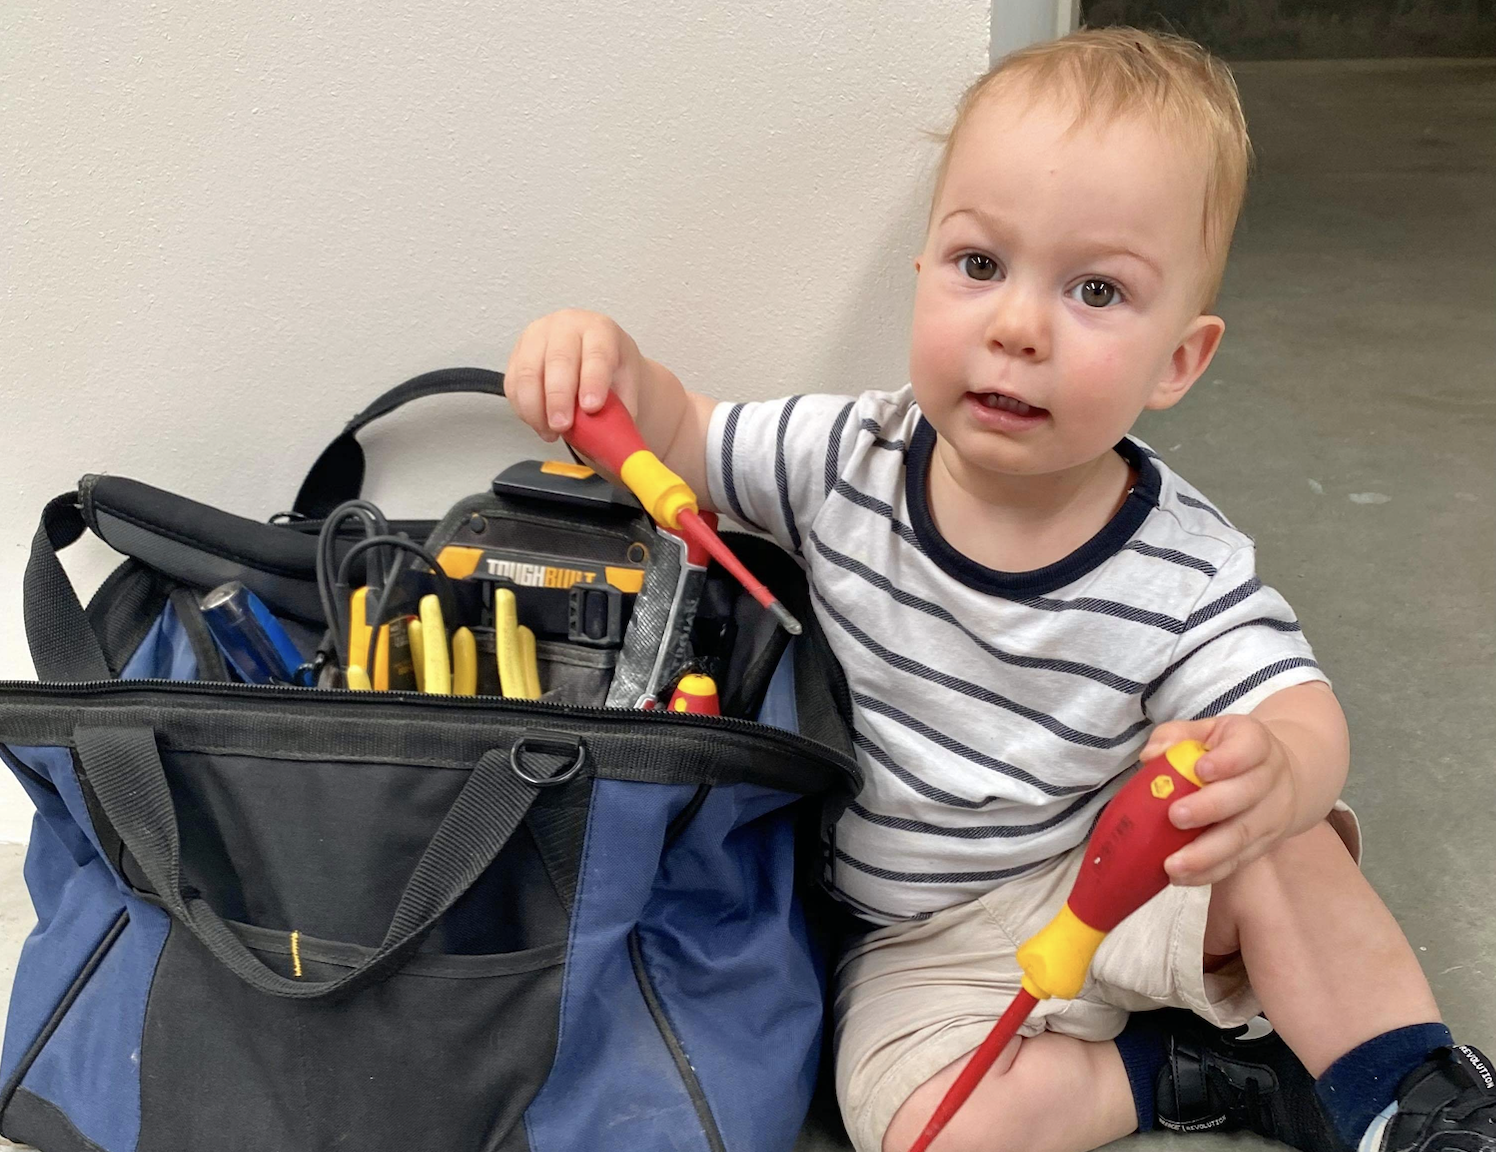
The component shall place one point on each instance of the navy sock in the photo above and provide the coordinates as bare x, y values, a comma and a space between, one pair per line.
1358, 1086
1143, 1048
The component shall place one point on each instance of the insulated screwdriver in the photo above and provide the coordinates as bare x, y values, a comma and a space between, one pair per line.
610, 437
1123, 869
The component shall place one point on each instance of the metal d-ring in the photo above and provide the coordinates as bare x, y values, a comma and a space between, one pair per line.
552, 743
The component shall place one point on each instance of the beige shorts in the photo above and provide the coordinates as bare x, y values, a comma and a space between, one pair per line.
913, 997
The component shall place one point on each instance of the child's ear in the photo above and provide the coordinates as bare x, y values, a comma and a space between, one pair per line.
1190, 359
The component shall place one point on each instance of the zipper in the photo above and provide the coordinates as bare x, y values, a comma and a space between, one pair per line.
418, 703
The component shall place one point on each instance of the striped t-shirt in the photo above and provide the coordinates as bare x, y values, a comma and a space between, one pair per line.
994, 713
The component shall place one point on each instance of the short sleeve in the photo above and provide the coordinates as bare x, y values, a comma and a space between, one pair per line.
771, 464
1239, 645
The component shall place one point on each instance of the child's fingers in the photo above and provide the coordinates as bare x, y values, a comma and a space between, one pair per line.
600, 354
563, 360
1216, 854
1168, 734
1219, 801
628, 376
522, 380
1190, 878
1237, 744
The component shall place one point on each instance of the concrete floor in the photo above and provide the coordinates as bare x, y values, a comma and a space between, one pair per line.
1349, 424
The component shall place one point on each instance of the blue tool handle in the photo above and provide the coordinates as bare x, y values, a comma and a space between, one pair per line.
253, 641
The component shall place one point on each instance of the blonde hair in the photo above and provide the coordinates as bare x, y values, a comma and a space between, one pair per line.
1111, 73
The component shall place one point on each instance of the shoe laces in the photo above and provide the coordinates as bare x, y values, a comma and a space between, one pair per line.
1247, 1106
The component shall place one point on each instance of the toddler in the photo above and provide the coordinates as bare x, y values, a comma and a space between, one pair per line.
1027, 601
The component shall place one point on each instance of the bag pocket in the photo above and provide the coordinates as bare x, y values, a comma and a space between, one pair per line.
430, 1019
445, 1053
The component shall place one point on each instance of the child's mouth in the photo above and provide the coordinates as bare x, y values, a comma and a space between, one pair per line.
1005, 411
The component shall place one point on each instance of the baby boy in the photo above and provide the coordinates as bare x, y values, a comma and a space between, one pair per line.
1026, 601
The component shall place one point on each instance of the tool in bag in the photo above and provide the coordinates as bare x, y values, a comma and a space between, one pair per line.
610, 437
596, 580
251, 639
697, 694
274, 916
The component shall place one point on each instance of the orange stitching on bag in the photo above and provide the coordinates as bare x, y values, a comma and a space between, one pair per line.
296, 954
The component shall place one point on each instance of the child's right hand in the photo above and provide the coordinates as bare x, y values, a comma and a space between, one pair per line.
566, 358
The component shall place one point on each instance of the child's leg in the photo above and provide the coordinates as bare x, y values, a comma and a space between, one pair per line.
914, 999
1327, 960
1046, 1093
1329, 963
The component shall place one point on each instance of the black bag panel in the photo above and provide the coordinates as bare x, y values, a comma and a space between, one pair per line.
359, 830
132, 803
125, 608
37, 1122
447, 1053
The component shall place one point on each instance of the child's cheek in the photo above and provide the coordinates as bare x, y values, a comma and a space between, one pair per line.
935, 354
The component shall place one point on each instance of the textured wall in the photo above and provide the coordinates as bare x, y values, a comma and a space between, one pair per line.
223, 229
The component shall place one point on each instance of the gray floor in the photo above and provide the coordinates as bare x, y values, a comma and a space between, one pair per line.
1349, 424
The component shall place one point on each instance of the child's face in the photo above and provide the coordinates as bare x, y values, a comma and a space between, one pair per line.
1062, 272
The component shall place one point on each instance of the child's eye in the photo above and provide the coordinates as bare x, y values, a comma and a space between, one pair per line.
977, 266
1097, 293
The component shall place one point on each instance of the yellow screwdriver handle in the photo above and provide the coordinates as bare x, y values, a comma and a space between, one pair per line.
438, 679
464, 663
415, 637
506, 644
529, 663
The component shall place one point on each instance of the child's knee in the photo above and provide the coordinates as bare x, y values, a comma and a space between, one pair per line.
1020, 1098
1267, 888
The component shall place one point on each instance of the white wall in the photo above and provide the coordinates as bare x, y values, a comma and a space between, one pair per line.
224, 228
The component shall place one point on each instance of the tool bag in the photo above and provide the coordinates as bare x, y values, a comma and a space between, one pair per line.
274, 917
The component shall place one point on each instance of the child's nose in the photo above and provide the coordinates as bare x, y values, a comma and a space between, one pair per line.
1019, 327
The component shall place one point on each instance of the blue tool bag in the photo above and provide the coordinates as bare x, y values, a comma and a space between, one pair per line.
283, 917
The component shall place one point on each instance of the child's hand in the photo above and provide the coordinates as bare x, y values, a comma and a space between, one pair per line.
1250, 794
568, 355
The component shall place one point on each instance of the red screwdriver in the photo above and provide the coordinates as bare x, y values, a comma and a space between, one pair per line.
1123, 870
610, 437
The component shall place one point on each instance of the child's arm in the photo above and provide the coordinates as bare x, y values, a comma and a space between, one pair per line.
1268, 775
573, 354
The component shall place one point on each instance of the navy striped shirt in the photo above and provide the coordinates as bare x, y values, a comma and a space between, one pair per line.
995, 713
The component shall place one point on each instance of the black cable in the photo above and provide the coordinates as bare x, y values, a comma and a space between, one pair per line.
445, 589
334, 596
379, 614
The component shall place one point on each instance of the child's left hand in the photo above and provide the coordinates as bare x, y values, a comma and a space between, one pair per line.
1250, 794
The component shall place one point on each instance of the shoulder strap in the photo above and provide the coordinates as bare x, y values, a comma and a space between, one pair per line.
338, 474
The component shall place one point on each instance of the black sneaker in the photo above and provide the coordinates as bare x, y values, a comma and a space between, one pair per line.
1446, 1104
1246, 1079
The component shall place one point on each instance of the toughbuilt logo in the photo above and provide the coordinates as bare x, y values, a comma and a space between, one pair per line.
529, 575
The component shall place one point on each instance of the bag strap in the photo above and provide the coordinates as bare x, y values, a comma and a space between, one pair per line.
338, 474
63, 643
123, 767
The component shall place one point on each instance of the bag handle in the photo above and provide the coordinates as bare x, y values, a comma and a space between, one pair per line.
338, 473
123, 767
64, 645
